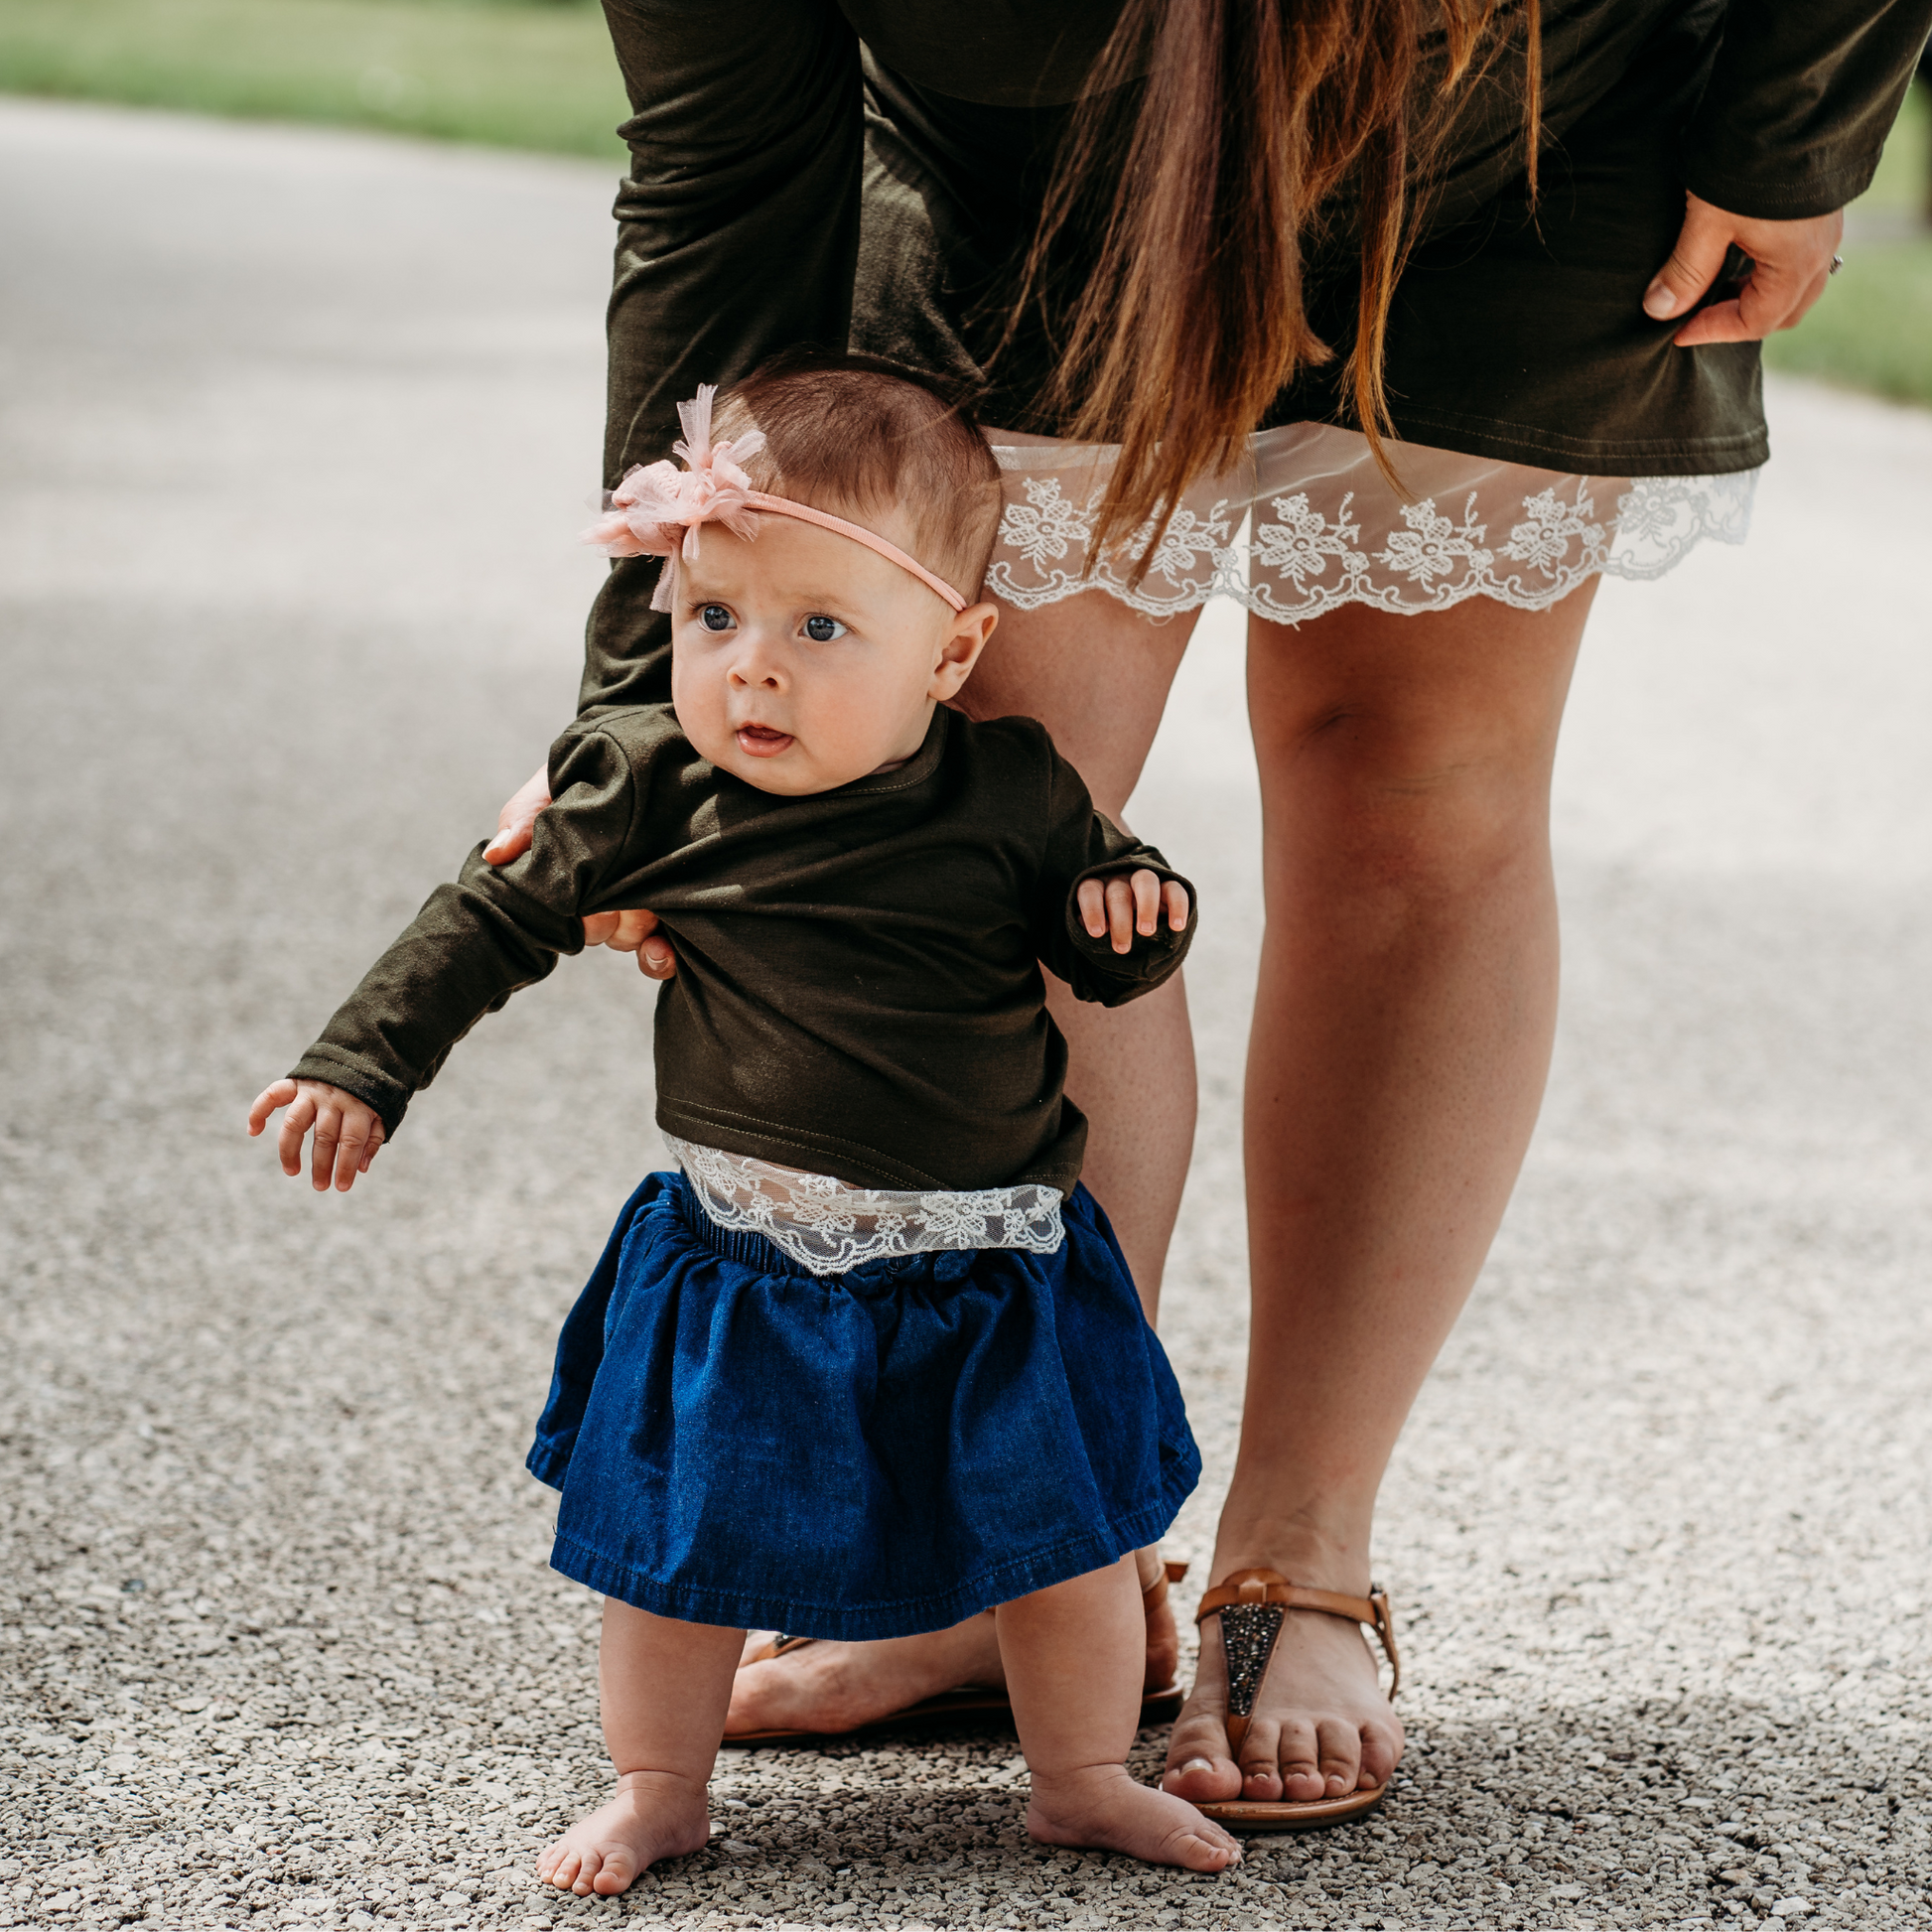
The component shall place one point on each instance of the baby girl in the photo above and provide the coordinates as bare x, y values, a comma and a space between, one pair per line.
871, 1361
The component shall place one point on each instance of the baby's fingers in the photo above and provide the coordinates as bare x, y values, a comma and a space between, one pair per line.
266, 1103
374, 1146
1174, 895
353, 1150
1119, 914
322, 1162
1092, 901
1147, 901
295, 1127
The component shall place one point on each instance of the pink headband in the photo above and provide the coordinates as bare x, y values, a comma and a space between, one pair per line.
657, 509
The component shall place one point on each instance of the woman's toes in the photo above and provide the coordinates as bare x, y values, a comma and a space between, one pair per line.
1261, 1754
1381, 1750
1202, 1780
1300, 1773
1339, 1755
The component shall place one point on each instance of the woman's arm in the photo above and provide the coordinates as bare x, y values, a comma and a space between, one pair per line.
737, 230
1789, 130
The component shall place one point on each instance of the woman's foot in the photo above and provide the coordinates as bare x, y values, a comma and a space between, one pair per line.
655, 1815
831, 1688
1102, 1809
1321, 1727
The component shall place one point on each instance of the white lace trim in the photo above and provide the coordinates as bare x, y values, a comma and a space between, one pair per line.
1309, 523
827, 1227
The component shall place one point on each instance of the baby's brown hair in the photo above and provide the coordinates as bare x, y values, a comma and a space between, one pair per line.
858, 434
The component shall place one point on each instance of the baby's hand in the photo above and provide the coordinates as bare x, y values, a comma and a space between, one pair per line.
349, 1132
1128, 903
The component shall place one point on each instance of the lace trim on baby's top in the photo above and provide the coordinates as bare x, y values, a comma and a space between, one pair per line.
827, 1227
1309, 523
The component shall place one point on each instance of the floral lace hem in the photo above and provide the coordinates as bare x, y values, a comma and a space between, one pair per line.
1309, 523
827, 1227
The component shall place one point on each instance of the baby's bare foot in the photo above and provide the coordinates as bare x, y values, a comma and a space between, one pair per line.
1103, 1809
654, 1816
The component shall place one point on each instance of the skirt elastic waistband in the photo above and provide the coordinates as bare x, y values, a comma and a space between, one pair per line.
741, 1245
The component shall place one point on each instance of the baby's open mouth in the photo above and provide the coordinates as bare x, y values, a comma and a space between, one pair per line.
760, 741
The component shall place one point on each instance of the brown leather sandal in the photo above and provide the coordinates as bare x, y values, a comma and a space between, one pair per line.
1253, 1604
1158, 1706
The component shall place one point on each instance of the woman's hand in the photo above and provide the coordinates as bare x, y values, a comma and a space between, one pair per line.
1128, 903
349, 1132
518, 818
632, 931
1790, 263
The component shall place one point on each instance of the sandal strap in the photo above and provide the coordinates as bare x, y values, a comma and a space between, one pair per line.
1259, 1586
1156, 1593
779, 1645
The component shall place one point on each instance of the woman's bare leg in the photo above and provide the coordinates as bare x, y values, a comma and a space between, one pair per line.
1401, 1042
1096, 675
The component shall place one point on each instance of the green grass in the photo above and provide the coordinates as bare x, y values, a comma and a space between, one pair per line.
539, 73
1873, 328
517, 73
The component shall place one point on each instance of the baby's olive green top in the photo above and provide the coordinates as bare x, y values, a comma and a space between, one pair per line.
858, 988
870, 173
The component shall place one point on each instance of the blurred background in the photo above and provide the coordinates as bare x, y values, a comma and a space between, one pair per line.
538, 74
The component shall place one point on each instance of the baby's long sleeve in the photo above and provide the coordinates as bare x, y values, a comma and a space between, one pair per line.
480, 937
1082, 842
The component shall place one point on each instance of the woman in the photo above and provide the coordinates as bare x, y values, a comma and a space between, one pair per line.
1415, 249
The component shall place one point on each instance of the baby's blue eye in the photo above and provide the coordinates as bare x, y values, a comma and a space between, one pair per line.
715, 617
821, 630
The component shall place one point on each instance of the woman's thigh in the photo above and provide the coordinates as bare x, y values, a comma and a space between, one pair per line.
1410, 745
1094, 672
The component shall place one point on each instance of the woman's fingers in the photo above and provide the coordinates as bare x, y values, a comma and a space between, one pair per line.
1790, 263
633, 930
515, 821
1694, 263
655, 959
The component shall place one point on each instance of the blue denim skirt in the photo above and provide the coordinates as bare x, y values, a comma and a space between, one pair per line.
866, 1454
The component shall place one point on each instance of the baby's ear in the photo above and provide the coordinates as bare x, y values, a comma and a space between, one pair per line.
961, 649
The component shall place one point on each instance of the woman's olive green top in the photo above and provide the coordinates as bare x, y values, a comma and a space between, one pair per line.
869, 172
858, 988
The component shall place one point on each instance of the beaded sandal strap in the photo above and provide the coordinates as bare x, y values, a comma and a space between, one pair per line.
1253, 1604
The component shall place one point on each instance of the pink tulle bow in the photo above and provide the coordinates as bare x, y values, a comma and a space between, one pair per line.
658, 508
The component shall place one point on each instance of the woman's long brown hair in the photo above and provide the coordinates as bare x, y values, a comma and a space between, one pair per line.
1188, 317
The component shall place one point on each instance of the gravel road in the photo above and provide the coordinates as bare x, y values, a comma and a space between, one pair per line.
296, 430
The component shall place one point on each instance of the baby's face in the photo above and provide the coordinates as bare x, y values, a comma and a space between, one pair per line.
801, 661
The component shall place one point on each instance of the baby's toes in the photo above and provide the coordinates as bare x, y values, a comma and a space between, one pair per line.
1212, 1849
1301, 1769
615, 1870
1338, 1755
558, 1866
